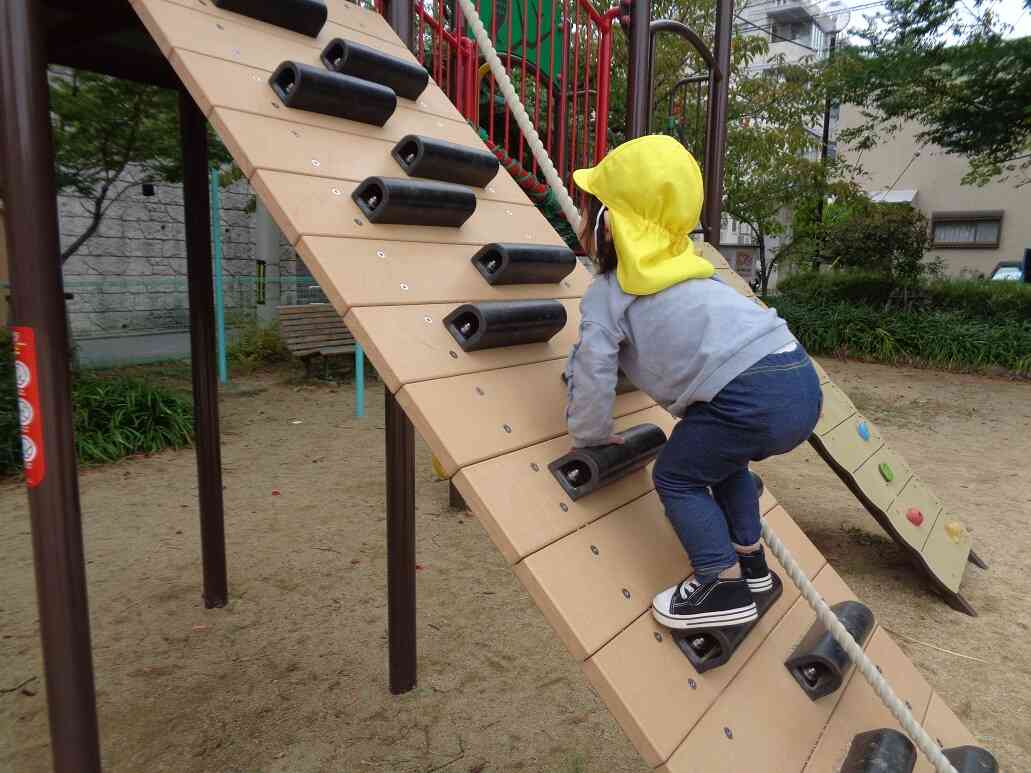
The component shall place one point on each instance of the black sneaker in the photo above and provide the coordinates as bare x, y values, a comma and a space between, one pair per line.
716, 604
755, 571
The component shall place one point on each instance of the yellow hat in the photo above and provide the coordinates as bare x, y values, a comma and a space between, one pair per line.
653, 189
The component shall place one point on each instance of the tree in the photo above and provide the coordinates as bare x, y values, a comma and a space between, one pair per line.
111, 135
881, 237
936, 63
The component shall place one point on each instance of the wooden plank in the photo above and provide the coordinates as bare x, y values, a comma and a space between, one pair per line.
836, 408
390, 273
877, 489
860, 709
947, 550
175, 27
220, 83
763, 716
733, 279
464, 426
945, 728
320, 206
349, 14
824, 378
415, 345
523, 508
598, 580
653, 690
285, 147
915, 494
847, 446
712, 255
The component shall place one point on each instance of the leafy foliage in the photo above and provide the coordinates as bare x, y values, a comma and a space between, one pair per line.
959, 78
883, 237
110, 135
256, 345
938, 339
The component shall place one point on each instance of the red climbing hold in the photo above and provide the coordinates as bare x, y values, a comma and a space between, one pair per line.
915, 516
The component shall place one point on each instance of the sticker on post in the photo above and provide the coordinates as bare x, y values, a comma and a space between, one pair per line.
27, 379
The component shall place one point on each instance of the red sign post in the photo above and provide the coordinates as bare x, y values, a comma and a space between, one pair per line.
27, 376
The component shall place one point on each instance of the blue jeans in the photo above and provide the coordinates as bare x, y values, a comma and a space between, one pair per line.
701, 474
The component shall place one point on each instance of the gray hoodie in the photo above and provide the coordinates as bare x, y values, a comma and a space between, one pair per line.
681, 345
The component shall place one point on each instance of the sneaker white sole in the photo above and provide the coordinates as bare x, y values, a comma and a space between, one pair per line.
721, 619
761, 585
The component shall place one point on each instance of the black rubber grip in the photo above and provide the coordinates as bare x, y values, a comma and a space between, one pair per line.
493, 324
585, 470
399, 201
819, 664
407, 79
435, 159
304, 87
623, 383
305, 16
524, 264
971, 759
880, 751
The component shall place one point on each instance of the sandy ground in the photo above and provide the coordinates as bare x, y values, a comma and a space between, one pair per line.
292, 675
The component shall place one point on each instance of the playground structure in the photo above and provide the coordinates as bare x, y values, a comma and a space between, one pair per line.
493, 417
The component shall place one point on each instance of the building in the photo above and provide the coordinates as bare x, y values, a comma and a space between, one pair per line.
972, 228
795, 30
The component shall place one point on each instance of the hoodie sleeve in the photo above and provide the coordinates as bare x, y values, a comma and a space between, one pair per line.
591, 376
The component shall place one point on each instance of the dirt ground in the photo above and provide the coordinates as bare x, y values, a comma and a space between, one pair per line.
292, 675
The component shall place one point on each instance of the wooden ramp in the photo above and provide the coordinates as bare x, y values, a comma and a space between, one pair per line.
495, 418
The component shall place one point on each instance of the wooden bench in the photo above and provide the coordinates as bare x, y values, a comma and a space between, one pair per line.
314, 330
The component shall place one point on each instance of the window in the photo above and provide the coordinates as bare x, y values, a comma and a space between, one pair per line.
966, 229
798, 31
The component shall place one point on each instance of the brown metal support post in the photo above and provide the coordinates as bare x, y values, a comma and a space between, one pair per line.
716, 131
640, 76
399, 16
400, 460
193, 132
38, 315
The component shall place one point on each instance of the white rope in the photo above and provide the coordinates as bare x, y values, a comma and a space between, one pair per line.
924, 742
522, 118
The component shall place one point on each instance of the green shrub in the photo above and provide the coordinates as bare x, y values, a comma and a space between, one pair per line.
119, 417
937, 339
257, 345
988, 301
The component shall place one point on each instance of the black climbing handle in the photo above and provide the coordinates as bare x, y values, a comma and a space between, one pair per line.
304, 87
407, 79
435, 159
819, 664
399, 201
493, 324
971, 759
880, 751
304, 16
585, 470
514, 264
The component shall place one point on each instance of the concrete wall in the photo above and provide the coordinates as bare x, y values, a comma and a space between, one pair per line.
936, 175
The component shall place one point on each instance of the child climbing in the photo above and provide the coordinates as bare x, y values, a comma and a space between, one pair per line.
731, 371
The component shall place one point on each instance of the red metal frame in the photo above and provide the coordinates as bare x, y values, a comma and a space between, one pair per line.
572, 122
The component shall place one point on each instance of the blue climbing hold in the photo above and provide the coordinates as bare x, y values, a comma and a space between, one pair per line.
864, 431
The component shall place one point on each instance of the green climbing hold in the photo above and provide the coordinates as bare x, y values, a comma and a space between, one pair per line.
886, 472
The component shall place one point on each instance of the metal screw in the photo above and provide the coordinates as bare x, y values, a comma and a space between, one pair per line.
292, 131
658, 636
358, 222
316, 163
563, 507
507, 428
573, 475
219, 26
422, 104
698, 643
404, 286
373, 201
594, 549
728, 732
275, 105
492, 265
692, 684
810, 674
508, 212
380, 254
626, 593
337, 192
535, 467
479, 391
454, 354
427, 320
568, 284
466, 329
490, 189
409, 158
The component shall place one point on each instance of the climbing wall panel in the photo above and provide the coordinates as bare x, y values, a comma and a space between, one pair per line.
495, 418
881, 479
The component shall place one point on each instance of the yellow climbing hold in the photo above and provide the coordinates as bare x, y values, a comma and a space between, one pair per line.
954, 531
438, 469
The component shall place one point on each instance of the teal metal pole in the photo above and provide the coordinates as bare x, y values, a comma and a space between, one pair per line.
220, 311
359, 381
